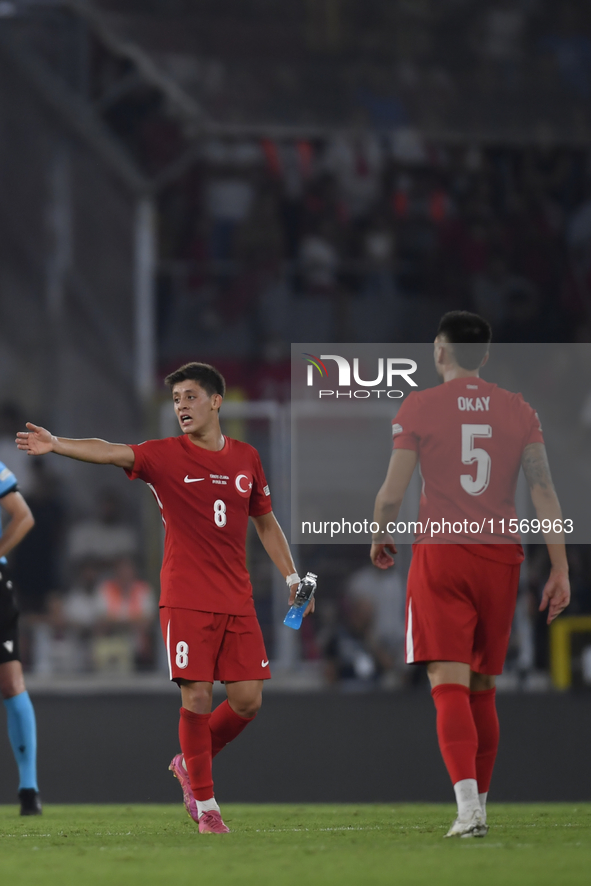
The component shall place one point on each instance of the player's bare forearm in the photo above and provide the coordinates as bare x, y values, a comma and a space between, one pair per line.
21, 521
556, 593
388, 503
545, 501
275, 543
96, 451
385, 511
39, 441
389, 498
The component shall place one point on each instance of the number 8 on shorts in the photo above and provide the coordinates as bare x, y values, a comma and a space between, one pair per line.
182, 654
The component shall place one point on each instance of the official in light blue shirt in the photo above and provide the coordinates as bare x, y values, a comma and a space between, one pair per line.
22, 731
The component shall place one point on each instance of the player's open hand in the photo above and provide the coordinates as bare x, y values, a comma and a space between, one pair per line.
292, 595
382, 554
556, 594
35, 441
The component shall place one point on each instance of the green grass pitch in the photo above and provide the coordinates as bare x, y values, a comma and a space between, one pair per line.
292, 844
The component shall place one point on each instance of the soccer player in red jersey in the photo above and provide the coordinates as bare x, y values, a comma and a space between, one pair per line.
470, 438
206, 486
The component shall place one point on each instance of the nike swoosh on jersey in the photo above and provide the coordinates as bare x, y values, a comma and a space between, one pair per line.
264, 663
193, 479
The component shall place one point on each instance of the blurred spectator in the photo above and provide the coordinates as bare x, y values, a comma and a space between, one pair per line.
319, 260
80, 604
520, 658
571, 49
523, 321
503, 31
104, 537
386, 592
37, 561
502, 41
229, 202
126, 608
62, 637
490, 290
357, 165
57, 646
366, 647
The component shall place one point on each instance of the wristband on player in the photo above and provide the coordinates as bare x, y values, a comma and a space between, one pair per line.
292, 579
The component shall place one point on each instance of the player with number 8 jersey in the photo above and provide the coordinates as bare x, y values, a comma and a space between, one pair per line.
205, 498
207, 486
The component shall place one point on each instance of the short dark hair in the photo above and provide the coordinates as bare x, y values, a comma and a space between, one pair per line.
211, 380
469, 334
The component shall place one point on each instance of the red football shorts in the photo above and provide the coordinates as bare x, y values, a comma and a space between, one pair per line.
208, 646
459, 607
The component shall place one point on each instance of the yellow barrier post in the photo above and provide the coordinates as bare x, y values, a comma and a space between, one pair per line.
561, 632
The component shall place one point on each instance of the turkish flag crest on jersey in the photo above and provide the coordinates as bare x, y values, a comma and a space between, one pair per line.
243, 483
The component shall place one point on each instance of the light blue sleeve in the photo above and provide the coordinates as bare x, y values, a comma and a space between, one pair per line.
8, 481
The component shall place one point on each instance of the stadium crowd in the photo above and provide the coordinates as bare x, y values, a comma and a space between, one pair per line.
370, 238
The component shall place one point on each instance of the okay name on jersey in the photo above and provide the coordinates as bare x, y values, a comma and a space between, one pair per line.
474, 404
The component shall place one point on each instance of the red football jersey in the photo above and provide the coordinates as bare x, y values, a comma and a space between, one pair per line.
206, 499
470, 436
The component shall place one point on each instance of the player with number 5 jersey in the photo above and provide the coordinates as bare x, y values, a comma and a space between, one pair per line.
470, 439
207, 486
471, 436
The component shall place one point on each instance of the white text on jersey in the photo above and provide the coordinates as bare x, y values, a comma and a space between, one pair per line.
474, 404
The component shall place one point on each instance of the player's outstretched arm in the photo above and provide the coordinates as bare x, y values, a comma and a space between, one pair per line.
21, 521
556, 594
387, 506
275, 544
39, 441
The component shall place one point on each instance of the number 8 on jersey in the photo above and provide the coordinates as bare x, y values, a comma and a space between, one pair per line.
219, 512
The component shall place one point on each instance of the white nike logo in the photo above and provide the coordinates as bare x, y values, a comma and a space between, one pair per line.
9, 646
193, 479
264, 663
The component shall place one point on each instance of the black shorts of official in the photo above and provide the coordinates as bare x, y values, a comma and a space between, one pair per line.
9, 647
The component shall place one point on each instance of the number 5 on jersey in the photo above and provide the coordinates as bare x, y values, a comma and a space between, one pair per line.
470, 454
219, 512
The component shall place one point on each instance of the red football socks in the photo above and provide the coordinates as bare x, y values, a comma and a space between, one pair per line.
484, 713
195, 739
225, 725
458, 739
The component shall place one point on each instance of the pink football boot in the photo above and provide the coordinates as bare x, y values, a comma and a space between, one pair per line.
211, 823
179, 772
